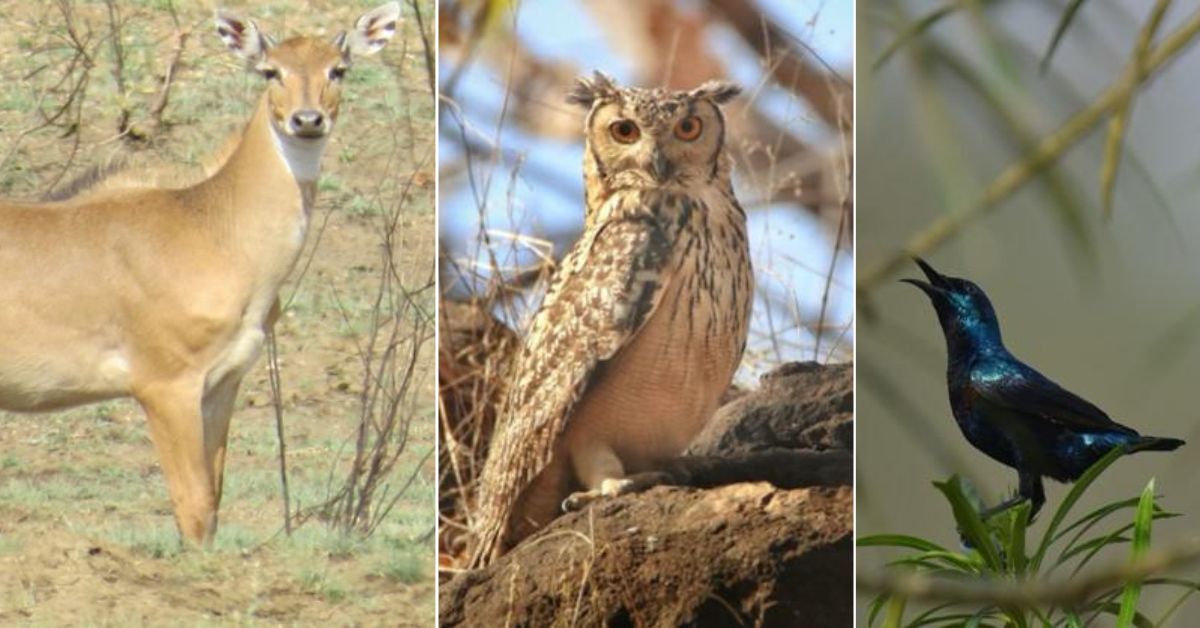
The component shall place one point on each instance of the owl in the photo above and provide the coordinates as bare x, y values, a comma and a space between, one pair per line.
645, 320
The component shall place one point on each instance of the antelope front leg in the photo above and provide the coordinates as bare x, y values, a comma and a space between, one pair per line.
220, 393
217, 409
177, 428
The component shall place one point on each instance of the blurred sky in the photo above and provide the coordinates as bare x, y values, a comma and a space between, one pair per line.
791, 249
1114, 327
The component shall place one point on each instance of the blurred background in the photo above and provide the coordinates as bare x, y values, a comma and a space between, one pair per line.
510, 161
511, 182
1099, 292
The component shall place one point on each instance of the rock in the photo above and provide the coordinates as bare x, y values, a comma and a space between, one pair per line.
800, 405
746, 553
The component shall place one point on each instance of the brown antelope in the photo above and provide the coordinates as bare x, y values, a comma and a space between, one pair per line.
165, 294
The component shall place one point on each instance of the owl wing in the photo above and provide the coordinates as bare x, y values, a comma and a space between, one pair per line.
607, 288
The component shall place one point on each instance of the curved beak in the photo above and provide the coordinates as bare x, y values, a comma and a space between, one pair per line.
660, 166
937, 284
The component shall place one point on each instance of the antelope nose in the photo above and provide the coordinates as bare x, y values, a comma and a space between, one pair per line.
308, 123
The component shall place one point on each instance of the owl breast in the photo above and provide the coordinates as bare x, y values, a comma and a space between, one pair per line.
658, 392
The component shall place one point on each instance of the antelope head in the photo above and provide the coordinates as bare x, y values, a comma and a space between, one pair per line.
304, 74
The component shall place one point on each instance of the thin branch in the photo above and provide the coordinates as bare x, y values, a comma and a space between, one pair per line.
1030, 593
1018, 174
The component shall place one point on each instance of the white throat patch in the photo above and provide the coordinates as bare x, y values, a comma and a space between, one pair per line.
302, 157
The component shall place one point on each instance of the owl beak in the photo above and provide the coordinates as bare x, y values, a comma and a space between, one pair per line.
660, 167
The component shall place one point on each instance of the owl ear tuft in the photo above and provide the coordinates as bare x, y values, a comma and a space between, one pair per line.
587, 91
720, 92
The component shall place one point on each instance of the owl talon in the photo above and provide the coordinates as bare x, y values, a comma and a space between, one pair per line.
610, 487
577, 501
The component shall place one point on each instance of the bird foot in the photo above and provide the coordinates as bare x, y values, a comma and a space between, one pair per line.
1002, 507
610, 487
988, 513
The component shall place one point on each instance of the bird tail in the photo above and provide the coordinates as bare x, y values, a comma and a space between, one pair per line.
1155, 443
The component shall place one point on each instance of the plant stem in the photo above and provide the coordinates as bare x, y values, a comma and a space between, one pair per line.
1018, 174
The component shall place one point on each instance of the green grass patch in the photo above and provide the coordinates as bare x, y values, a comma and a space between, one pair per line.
999, 550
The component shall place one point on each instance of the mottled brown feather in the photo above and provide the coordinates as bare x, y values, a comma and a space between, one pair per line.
641, 240
604, 291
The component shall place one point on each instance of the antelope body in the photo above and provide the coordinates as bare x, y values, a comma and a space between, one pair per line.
165, 295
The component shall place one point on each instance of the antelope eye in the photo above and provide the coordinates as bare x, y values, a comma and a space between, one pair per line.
625, 131
689, 128
336, 73
270, 74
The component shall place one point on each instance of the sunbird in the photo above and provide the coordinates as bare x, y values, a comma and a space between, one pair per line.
1007, 409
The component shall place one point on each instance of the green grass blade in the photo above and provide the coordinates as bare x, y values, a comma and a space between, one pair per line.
1190, 588
1099, 604
877, 604
1084, 525
1018, 526
931, 616
976, 620
956, 619
899, 540
930, 560
895, 612
969, 523
1064, 23
1094, 517
1076, 492
1141, 542
915, 30
1093, 545
1138, 619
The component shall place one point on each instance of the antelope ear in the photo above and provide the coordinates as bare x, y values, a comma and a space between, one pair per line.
242, 36
720, 92
587, 91
372, 31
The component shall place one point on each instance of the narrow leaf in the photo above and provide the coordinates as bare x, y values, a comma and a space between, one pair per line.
915, 30
899, 540
1141, 542
895, 612
1064, 22
969, 522
1077, 490
1019, 525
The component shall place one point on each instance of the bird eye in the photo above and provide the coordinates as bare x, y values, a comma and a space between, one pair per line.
625, 131
337, 72
689, 128
270, 74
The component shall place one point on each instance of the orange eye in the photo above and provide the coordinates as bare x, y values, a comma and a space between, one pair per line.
689, 128
625, 131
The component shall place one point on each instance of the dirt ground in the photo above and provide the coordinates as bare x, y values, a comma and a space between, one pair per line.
86, 533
